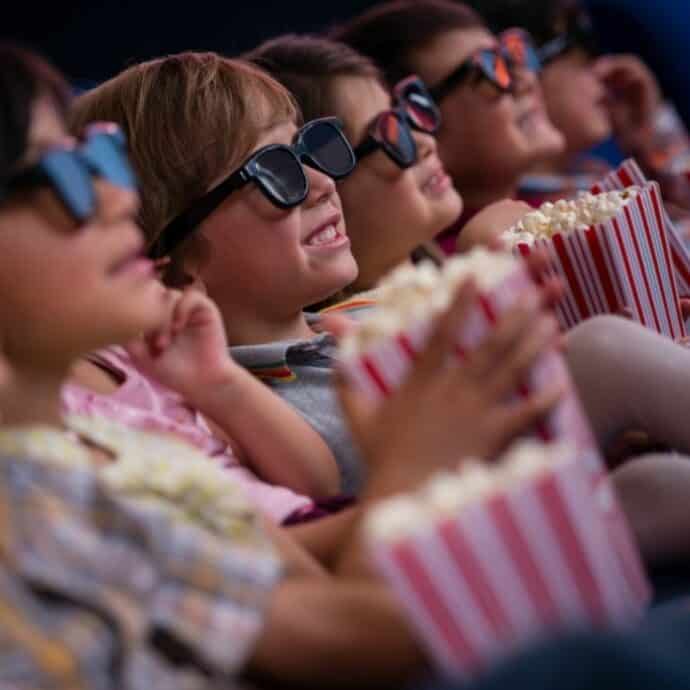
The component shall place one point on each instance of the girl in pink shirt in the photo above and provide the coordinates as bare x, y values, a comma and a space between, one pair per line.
129, 386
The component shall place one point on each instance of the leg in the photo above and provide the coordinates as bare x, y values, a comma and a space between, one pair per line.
654, 491
630, 378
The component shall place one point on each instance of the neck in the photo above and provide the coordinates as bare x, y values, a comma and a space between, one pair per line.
249, 327
33, 397
369, 276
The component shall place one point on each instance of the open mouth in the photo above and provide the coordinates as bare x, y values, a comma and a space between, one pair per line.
437, 183
326, 235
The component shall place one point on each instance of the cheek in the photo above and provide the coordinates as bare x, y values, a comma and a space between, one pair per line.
249, 247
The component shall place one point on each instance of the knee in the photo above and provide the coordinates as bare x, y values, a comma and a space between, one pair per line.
597, 341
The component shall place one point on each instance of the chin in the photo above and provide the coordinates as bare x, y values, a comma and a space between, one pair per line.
448, 213
336, 281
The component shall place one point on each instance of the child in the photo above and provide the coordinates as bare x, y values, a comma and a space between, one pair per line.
129, 560
262, 260
399, 196
494, 126
591, 97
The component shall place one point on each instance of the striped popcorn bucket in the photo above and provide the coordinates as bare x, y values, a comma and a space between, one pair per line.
624, 263
531, 560
382, 368
629, 173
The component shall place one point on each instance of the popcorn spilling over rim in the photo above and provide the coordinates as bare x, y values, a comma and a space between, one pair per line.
447, 493
567, 216
412, 293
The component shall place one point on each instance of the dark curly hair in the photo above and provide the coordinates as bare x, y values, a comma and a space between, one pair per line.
392, 32
24, 78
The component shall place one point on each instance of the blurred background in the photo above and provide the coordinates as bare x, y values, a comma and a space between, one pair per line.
91, 41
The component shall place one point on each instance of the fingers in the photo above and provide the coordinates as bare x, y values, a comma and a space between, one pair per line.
337, 325
444, 335
521, 415
507, 373
508, 332
188, 304
628, 76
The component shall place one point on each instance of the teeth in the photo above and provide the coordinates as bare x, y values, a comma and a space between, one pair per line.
328, 234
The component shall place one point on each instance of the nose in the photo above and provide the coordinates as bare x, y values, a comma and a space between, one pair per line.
115, 203
525, 81
426, 144
321, 187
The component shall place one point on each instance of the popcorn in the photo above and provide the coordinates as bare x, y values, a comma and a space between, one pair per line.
411, 294
186, 483
446, 494
566, 216
487, 559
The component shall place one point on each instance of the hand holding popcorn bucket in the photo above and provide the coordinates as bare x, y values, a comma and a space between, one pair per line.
493, 557
375, 359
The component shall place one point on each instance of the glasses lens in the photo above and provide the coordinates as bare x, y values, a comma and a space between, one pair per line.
520, 49
71, 181
397, 138
495, 68
282, 176
420, 107
106, 155
329, 148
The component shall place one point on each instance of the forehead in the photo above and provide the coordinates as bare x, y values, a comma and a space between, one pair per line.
440, 57
281, 133
47, 128
358, 101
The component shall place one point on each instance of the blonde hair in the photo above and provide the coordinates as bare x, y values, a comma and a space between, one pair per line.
189, 120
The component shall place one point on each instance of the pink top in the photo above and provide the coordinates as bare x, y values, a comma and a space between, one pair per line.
143, 404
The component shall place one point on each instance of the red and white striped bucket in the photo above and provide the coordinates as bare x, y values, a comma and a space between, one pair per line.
383, 367
625, 262
529, 561
629, 173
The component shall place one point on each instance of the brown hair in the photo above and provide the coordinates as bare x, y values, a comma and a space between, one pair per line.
392, 32
308, 66
24, 78
189, 119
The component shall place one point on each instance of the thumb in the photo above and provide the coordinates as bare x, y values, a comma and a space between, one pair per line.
337, 325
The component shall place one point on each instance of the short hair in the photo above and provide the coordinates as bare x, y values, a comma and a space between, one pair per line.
24, 78
189, 119
308, 66
392, 32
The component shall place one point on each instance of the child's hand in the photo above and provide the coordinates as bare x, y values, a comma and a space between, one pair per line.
634, 95
448, 409
485, 228
190, 352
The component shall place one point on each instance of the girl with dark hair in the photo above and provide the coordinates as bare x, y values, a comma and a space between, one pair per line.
494, 126
590, 97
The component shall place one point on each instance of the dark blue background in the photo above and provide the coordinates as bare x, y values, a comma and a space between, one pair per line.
91, 41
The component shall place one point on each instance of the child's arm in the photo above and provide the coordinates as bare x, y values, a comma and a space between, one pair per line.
190, 355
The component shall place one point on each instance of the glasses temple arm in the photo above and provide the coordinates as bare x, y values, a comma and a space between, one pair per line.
186, 223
